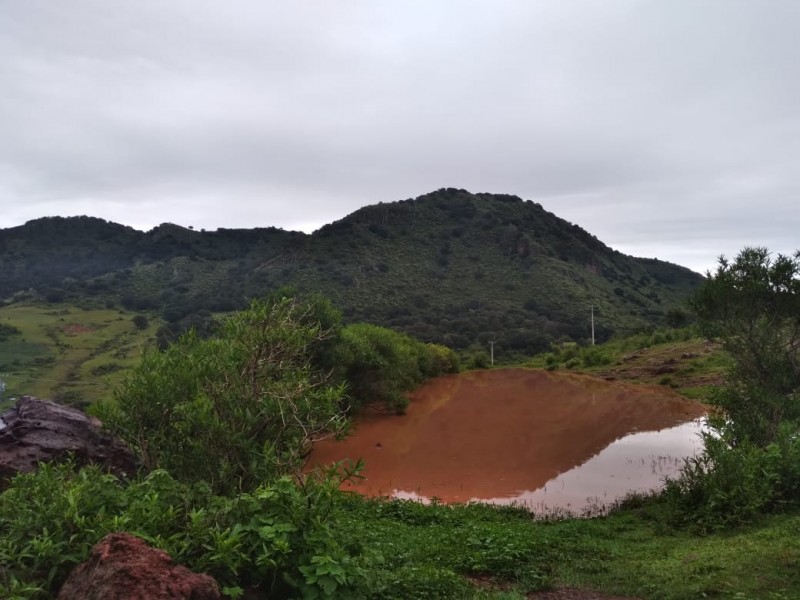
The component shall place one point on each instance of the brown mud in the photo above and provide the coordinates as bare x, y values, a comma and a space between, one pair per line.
490, 434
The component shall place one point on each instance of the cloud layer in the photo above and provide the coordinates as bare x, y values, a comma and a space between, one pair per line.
668, 129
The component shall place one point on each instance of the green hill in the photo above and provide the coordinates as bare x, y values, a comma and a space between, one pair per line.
450, 267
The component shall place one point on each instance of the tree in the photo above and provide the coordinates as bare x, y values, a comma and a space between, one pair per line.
140, 322
753, 305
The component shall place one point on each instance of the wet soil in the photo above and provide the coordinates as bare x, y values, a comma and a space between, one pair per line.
490, 434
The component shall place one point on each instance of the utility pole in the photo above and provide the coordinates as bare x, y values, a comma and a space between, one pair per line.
592, 306
491, 352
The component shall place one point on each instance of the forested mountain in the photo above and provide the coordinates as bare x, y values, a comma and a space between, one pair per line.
451, 267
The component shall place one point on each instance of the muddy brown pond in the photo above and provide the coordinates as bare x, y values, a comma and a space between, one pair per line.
546, 440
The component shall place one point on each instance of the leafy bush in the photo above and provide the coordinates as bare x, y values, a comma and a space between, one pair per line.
733, 482
233, 410
594, 356
753, 304
380, 365
278, 538
479, 360
751, 463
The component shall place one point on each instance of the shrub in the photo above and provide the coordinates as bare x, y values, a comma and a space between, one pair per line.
753, 304
751, 463
380, 365
594, 356
734, 481
479, 360
232, 410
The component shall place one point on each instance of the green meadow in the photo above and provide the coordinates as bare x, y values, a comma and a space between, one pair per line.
66, 353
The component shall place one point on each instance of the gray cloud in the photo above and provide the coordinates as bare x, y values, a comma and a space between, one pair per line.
668, 129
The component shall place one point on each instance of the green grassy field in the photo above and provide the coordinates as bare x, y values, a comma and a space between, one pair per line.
68, 353
477, 551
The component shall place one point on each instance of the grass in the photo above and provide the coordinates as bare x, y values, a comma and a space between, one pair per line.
631, 552
68, 353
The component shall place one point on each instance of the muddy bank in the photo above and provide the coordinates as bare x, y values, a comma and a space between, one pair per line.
492, 434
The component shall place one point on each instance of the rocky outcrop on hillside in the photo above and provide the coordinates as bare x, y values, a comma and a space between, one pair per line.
35, 431
124, 567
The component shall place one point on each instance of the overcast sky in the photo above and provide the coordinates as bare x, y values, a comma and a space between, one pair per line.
667, 128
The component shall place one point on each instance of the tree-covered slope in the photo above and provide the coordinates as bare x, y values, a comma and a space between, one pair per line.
449, 267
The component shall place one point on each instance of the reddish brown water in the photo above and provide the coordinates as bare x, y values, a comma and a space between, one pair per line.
500, 435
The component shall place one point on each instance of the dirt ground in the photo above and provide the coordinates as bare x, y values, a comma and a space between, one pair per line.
667, 361
489, 434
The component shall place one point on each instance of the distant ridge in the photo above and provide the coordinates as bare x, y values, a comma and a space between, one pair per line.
450, 266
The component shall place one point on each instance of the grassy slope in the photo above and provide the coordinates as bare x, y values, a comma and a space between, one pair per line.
68, 353
675, 358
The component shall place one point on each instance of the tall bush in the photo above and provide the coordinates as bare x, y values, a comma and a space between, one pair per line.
753, 305
236, 409
751, 460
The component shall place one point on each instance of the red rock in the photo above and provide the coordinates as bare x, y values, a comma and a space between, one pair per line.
124, 567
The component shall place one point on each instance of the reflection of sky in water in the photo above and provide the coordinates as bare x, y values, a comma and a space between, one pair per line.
636, 463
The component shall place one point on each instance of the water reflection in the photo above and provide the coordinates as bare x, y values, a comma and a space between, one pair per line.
636, 463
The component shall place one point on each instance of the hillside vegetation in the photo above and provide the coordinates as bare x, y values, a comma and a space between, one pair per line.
449, 267
727, 528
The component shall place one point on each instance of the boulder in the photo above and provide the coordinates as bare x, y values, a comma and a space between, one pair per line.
37, 430
124, 567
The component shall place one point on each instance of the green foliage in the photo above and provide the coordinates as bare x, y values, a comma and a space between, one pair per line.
590, 357
278, 538
140, 322
233, 410
429, 550
6, 331
381, 365
751, 461
736, 481
571, 356
450, 267
478, 359
285, 536
438, 359
753, 304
